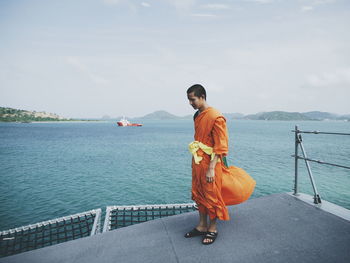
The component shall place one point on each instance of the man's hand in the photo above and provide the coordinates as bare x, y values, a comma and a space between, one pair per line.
211, 169
210, 175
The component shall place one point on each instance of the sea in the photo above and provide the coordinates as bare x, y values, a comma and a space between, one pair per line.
54, 169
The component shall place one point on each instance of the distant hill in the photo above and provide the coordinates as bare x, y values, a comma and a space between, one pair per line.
164, 115
16, 115
277, 115
233, 115
159, 115
344, 117
188, 117
272, 115
319, 115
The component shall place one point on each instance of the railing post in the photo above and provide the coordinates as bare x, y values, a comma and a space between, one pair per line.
296, 161
96, 227
317, 198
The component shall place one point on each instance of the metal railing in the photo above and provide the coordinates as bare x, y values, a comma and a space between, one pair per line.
51, 232
299, 143
122, 216
55, 231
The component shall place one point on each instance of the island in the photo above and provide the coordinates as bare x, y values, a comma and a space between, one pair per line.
25, 116
266, 116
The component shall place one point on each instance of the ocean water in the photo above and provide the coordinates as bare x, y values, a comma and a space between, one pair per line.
49, 170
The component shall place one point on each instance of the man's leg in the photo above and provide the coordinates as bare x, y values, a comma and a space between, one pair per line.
203, 225
212, 225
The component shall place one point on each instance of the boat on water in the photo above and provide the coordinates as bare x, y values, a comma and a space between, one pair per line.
124, 122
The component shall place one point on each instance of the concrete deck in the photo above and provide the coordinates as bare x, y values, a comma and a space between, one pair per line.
274, 228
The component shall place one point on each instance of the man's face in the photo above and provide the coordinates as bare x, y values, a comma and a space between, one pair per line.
195, 102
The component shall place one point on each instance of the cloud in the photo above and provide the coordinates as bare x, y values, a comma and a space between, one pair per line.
76, 63
311, 4
337, 77
216, 6
318, 2
261, 1
144, 4
203, 15
81, 67
306, 8
113, 2
182, 4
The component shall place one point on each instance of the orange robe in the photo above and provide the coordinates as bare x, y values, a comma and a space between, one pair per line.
232, 185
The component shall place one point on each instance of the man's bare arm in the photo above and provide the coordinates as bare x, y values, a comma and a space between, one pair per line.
211, 170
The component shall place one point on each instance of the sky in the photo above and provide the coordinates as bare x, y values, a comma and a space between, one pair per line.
90, 58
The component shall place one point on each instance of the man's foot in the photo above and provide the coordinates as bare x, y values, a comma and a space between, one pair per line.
209, 238
197, 231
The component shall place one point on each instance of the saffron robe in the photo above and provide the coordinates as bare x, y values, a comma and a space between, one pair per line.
232, 185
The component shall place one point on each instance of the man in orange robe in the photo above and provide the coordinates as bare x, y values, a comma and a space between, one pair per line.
213, 184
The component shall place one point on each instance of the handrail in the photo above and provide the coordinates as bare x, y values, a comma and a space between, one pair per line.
322, 162
318, 132
298, 142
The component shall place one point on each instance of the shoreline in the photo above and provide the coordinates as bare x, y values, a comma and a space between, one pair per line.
78, 121
104, 121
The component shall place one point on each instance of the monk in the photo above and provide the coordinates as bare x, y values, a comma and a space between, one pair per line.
214, 185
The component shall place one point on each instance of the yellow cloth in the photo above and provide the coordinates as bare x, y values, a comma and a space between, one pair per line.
194, 146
